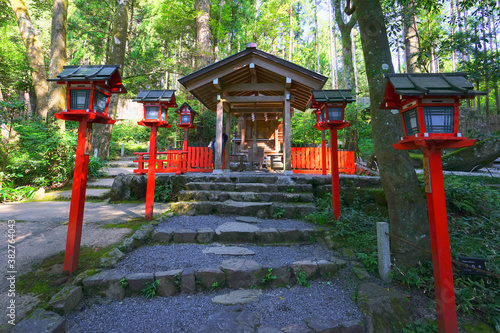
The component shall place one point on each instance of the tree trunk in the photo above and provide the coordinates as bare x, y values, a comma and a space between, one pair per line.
410, 32
35, 56
203, 33
101, 137
333, 62
453, 24
406, 203
58, 58
345, 33
316, 35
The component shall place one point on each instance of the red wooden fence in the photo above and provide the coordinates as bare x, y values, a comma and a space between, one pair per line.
199, 159
308, 160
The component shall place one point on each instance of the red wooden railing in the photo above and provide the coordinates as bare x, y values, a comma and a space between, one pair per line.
308, 160
199, 159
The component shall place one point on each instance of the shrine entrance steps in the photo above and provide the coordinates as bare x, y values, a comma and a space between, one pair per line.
263, 196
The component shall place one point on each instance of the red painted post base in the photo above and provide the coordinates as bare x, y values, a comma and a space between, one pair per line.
323, 153
440, 242
335, 175
150, 191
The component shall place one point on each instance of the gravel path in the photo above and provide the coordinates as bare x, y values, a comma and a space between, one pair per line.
276, 308
213, 221
175, 256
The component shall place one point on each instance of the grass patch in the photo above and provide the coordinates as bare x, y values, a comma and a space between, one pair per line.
47, 278
133, 224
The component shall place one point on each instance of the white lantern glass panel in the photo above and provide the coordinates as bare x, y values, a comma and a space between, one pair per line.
163, 114
411, 122
100, 102
438, 119
80, 99
152, 112
185, 118
335, 113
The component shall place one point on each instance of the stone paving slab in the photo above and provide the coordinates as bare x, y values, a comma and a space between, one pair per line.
238, 297
91, 193
229, 250
101, 182
113, 172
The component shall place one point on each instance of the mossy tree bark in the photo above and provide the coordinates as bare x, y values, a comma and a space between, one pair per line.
35, 56
58, 58
348, 78
101, 137
405, 200
412, 44
203, 33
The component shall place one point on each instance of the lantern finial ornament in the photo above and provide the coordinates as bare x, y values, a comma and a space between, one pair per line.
186, 114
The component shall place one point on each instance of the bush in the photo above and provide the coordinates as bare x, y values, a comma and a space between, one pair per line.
43, 155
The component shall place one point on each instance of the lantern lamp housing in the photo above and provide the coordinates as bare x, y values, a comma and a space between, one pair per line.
89, 89
156, 104
428, 104
186, 115
330, 107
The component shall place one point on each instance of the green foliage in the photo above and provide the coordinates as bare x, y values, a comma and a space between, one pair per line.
302, 279
162, 193
9, 193
129, 131
214, 286
303, 130
123, 283
151, 289
370, 261
43, 155
278, 212
95, 167
269, 276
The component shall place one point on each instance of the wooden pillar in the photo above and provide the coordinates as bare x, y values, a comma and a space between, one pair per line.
276, 136
218, 137
227, 148
287, 134
243, 131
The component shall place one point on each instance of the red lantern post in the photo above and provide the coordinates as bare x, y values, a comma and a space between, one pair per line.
156, 104
88, 92
429, 108
330, 106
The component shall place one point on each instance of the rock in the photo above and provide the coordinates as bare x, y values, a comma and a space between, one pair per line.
143, 233
163, 235
323, 325
238, 297
360, 271
283, 277
290, 235
184, 236
128, 187
310, 268
309, 234
111, 258
169, 282
100, 282
268, 235
82, 276
204, 235
247, 219
383, 310
41, 321
231, 322
66, 300
210, 278
241, 273
330, 268
236, 232
115, 291
127, 245
348, 254
39, 194
296, 328
139, 281
268, 329
188, 281
228, 250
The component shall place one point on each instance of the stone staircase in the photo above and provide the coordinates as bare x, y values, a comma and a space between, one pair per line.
259, 195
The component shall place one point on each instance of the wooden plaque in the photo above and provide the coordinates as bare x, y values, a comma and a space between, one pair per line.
427, 175
88, 142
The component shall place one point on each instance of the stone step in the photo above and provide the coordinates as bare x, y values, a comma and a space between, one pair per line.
233, 273
122, 164
257, 209
235, 232
245, 196
100, 183
113, 172
248, 187
90, 194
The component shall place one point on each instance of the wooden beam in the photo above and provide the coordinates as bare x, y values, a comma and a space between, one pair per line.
253, 72
273, 111
217, 84
254, 87
288, 83
255, 99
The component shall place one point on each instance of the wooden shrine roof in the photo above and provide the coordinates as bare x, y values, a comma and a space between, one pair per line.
253, 81
333, 96
155, 96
